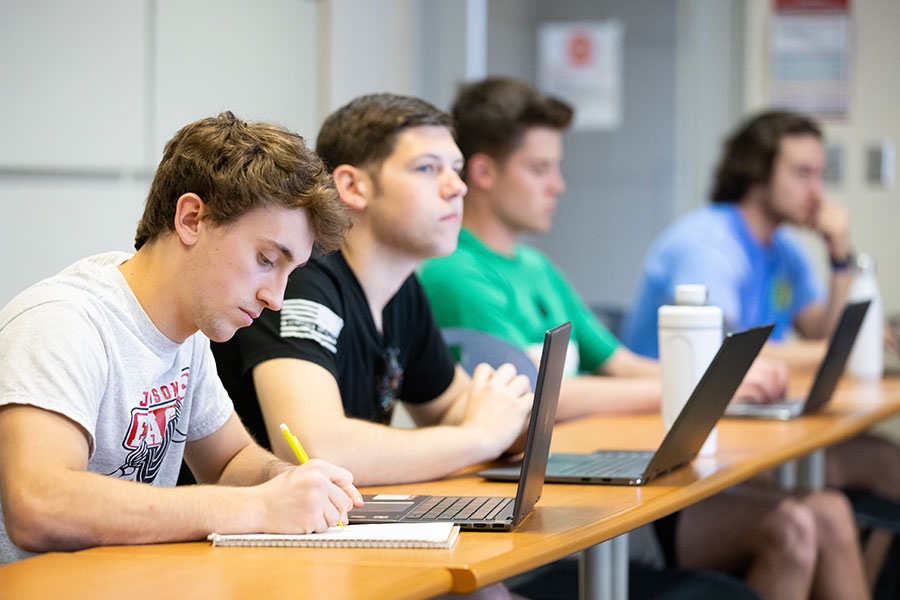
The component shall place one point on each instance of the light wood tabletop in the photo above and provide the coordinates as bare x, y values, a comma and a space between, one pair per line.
568, 518
196, 570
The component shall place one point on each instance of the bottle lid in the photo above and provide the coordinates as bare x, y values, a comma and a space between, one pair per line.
865, 262
691, 295
690, 317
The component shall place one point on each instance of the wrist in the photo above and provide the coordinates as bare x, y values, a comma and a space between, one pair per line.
242, 511
842, 262
480, 443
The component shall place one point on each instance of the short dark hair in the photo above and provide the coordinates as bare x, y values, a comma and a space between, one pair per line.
236, 167
748, 156
362, 133
492, 116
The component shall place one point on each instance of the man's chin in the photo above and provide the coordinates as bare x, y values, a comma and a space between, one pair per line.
220, 334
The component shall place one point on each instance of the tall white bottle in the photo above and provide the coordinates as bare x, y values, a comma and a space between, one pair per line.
690, 334
867, 357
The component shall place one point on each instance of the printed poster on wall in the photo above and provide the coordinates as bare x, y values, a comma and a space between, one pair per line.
811, 58
582, 64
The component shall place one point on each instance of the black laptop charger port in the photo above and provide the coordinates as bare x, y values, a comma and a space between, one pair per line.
480, 525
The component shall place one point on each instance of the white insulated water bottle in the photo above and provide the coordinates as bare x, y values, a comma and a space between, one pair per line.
867, 357
690, 334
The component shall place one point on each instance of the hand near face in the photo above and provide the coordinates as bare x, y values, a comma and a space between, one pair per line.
833, 224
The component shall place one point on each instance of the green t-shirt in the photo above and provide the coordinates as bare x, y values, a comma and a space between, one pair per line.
513, 298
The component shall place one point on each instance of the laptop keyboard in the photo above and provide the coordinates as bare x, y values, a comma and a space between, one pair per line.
462, 508
616, 463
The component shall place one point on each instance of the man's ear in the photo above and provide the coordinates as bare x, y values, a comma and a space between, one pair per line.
354, 186
189, 213
481, 171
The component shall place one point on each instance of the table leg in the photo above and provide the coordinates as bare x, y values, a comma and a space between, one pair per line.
786, 475
603, 570
811, 471
805, 473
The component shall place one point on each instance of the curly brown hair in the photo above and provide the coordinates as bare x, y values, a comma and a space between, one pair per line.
236, 167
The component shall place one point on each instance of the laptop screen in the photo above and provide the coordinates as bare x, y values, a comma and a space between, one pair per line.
832, 366
543, 415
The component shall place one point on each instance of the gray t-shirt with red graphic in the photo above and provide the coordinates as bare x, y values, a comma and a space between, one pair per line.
79, 344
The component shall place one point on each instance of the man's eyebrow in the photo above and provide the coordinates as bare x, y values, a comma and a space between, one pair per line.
440, 157
285, 251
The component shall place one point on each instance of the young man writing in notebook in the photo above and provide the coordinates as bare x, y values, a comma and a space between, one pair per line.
510, 135
106, 378
356, 335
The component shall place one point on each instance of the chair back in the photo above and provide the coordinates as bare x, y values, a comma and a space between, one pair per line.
476, 347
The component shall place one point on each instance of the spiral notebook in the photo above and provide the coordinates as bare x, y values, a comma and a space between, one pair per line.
377, 535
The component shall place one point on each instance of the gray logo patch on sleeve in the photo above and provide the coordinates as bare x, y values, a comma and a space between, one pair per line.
311, 321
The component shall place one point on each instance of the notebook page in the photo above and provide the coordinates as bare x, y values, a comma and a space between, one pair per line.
377, 535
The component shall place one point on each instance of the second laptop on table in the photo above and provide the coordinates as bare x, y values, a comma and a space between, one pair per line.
696, 420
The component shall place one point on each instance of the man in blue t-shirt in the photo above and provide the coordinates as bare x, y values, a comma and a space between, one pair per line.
769, 177
754, 267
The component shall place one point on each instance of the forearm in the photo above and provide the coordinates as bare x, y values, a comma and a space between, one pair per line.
821, 320
625, 363
378, 454
86, 509
838, 293
593, 394
799, 355
251, 466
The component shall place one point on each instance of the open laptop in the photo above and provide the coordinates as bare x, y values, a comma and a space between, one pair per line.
684, 440
495, 513
830, 370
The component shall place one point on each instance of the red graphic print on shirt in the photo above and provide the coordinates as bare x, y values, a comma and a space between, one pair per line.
154, 425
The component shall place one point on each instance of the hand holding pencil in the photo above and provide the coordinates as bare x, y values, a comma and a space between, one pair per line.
299, 452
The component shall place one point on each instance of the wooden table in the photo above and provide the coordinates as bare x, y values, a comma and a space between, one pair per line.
196, 570
567, 519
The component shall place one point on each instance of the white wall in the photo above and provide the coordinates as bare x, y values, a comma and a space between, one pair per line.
620, 183
93, 89
370, 46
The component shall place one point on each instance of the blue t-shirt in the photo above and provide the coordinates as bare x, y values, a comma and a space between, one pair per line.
754, 283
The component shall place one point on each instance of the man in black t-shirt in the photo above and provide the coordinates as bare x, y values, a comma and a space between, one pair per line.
356, 334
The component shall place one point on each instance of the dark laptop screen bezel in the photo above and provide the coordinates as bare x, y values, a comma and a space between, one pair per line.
832, 366
543, 416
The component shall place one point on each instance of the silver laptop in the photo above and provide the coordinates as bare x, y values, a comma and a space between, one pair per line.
486, 512
684, 440
830, 370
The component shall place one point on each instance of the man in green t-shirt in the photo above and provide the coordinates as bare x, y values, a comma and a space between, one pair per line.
511, 139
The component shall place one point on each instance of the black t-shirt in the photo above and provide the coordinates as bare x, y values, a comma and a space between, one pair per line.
326, 320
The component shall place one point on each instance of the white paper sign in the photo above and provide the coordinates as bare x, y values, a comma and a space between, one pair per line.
582, 64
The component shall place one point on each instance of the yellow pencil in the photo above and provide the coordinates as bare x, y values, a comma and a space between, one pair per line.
294, 443
299, 452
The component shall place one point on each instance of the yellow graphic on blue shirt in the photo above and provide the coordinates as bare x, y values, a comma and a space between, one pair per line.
782, 294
